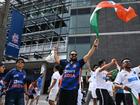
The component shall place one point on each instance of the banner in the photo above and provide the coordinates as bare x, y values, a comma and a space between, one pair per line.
14, 34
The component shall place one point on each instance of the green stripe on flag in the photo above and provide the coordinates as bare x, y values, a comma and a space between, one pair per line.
135, 97
135, 100
94, 22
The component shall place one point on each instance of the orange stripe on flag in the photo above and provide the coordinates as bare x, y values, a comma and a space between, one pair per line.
130, 14
126, 14
122, 13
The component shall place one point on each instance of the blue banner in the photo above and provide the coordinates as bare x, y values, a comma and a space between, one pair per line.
14, 34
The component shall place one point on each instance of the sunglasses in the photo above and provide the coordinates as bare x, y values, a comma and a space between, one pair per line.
73, 54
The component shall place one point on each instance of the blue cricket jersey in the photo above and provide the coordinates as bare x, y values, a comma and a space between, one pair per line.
70, 78
1, 83
15, 80
39, 82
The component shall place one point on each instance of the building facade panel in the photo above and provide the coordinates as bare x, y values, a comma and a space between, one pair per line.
119, 47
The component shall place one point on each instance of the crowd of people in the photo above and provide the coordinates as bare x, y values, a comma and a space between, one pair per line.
106, 87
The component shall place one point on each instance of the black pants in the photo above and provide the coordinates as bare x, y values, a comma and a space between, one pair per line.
128, 99
68, 97
14, 99
104, 97
120, 97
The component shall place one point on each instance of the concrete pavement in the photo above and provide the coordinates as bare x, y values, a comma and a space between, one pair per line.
42, 100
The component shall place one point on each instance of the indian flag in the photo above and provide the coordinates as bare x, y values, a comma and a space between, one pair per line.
135, 97
122, 13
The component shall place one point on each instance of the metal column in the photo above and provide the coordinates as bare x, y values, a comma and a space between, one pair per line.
3, 22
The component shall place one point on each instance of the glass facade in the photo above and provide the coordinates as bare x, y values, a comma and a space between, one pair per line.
108, 21
109, 24
81, 3
79, 24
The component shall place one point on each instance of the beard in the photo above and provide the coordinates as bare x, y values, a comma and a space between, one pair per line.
73, 60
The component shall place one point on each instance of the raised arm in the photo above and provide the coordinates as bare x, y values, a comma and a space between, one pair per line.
88, 66
117, 65
52, 85
88, 71
91, 51
107, 65
56, 56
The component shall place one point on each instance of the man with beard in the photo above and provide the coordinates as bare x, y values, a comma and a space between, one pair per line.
70, 78
128, 80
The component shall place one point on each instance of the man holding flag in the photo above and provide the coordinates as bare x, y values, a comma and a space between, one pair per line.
70, 77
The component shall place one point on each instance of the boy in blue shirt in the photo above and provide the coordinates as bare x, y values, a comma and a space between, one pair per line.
15, 83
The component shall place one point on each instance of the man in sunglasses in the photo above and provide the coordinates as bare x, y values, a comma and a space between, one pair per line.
70, 78
129, 79
15, 83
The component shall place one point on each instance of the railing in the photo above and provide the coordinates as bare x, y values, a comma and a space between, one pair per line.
45, 47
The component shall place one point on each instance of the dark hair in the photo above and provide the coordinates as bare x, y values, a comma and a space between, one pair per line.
1, 64
95, 66
20, 59
101, 62
58, 67
124, 59
73, 51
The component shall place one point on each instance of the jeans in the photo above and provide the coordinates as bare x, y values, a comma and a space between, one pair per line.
14, 99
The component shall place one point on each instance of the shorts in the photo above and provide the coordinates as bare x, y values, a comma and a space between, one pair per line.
30, 96
93, 93
80, 97
52, 95
38, 93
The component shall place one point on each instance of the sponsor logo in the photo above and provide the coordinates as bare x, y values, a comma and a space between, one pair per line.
132, 79
69, 73
74, 66
15, 38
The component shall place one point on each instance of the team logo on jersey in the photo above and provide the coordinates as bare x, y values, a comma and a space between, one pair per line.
125, 75
15, 38
16, 75
74, 66
67, 66
24, 76
134, 72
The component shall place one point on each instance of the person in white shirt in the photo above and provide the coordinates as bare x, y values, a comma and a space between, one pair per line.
119, 93
80, 94
54, 87
91, 94
129, 79
102, 86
